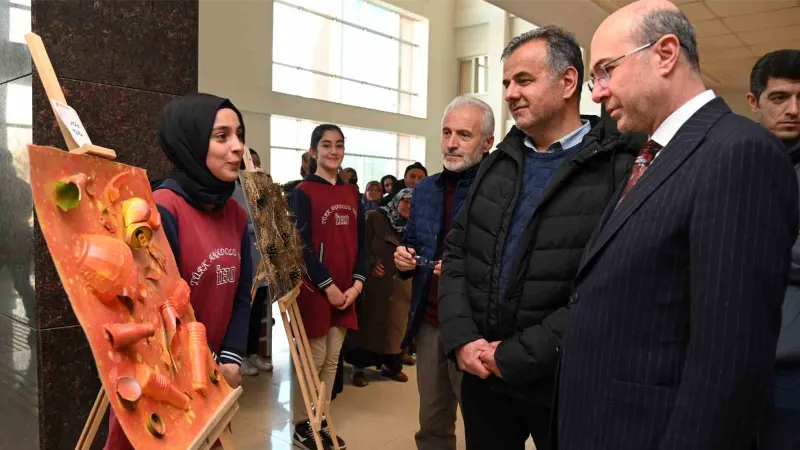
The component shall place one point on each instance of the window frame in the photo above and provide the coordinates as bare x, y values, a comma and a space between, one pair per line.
476, 63
407, 98
403, 145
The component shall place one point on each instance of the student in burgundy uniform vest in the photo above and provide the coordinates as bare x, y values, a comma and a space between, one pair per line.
330, 220
203, 135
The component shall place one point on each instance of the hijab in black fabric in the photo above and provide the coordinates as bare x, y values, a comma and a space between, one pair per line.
184, 131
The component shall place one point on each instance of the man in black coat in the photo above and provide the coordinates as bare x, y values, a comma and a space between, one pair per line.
775, 99
676, 307
516, 244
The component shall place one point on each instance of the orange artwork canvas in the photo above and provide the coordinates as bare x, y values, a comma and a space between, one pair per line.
104, 233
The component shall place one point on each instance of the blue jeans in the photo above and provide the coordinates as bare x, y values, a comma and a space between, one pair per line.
782, 429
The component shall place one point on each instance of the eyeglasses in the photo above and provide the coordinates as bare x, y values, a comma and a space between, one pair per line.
602, 76
424, 262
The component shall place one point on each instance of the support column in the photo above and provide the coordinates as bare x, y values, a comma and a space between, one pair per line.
118, 63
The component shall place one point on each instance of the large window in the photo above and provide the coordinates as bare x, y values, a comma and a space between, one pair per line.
352, 52
372, 153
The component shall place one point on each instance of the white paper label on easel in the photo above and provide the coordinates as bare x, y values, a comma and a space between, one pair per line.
73, 123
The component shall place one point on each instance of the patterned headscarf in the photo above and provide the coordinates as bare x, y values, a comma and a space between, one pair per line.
397, 221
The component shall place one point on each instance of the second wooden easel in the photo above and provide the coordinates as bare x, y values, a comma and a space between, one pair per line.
219, 426
311, 387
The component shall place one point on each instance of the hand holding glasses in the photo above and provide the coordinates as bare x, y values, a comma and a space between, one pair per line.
424, 262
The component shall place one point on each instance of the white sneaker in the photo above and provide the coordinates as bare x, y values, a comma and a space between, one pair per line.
248, 369
260, 363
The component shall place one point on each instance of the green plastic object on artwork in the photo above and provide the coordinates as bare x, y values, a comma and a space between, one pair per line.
68, 195
68, 191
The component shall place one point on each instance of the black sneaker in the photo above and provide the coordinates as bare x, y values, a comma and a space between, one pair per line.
359, 379
327, 439
304, 437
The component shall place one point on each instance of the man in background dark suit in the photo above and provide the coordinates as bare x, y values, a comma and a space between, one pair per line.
775, 99
676, 308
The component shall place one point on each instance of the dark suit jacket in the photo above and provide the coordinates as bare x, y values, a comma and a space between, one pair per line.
676, 309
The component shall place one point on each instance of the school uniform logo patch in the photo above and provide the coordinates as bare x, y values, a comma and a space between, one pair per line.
225, 275
341, 214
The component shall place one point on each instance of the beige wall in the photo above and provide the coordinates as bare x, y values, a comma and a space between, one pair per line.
236, 62
471, 40
519, 26
737, 102
471, 12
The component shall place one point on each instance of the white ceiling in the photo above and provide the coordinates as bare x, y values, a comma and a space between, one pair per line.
731, 34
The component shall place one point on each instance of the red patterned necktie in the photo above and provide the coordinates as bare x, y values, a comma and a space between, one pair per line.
646, 156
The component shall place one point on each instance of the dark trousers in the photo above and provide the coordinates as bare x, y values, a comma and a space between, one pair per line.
493, 420
254, 328
362, 359
338, 382
782, 428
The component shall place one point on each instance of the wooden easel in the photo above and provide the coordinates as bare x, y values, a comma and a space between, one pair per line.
53, 89
307, 376
311, 387
218, 427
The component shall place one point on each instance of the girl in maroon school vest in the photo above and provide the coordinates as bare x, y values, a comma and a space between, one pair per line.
203, 137
331, 224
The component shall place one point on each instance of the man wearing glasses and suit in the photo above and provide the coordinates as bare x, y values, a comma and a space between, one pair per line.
675, 311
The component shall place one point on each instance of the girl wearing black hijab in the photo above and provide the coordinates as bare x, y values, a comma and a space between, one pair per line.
203, 137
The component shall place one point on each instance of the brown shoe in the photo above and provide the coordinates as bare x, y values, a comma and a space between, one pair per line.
409, 360
397, 376
359, 379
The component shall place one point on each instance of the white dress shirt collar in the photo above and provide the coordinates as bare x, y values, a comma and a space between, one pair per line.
573, 138
669, 128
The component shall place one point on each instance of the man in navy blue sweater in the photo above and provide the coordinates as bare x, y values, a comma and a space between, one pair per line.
515, 247
467, 136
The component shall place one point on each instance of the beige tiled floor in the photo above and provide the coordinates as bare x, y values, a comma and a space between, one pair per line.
382, 415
